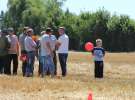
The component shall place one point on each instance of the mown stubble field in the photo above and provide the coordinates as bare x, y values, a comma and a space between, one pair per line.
118, 82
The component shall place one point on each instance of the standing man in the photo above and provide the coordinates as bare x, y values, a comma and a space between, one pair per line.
13, 51
63, 45
30, 47
23, 51
53, 47
46, 55
4, 46
39, 53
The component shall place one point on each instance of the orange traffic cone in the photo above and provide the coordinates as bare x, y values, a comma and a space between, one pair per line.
90, 96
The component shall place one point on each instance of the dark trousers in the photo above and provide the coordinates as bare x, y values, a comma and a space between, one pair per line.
3, 64
55, 63
63, 63
99, 65
14, 58
40, 66
24, 64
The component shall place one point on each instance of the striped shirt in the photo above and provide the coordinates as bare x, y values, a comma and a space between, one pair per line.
30, 45
13, 44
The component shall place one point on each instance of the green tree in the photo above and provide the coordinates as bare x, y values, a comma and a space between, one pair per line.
117, 32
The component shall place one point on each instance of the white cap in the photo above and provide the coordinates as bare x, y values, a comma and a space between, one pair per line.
30, 30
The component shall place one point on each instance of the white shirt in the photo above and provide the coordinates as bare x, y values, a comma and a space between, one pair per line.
64, 40
43, 47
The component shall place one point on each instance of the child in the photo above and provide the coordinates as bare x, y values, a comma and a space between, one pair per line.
98, 53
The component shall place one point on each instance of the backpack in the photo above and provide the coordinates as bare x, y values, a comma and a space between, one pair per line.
4, 45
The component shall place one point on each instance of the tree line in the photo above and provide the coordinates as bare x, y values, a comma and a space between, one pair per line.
116, 31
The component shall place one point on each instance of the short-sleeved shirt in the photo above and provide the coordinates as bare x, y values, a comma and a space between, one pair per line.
98, 53
13, 44
44, 50
30, 45
64, 40
21, 41
53, 42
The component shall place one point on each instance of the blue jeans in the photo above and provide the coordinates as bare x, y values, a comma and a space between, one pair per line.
47, 64
30, 63
63, 63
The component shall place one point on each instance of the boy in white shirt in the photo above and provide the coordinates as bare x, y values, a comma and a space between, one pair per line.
98, 53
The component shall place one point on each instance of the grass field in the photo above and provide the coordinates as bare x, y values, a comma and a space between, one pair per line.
118, 82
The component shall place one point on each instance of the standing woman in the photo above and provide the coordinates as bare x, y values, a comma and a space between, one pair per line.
13, 51
63, 46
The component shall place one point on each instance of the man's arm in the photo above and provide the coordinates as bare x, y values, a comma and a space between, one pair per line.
20, 40
58, 44
49, 45
103, 52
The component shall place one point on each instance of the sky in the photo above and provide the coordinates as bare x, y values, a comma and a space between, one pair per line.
118, 7
3, 5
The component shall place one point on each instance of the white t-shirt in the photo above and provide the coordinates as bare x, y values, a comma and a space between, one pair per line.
64, 40
44, 49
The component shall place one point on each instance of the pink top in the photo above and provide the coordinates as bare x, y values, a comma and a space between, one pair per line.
13, 44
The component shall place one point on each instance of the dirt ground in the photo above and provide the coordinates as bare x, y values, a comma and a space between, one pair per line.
118, 82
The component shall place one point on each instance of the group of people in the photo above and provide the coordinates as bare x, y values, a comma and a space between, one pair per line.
9, 50
43, 48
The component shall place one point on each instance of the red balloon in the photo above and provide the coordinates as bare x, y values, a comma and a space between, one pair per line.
89, 46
